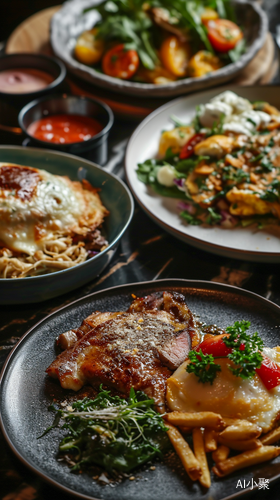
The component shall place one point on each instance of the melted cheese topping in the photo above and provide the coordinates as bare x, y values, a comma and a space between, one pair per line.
35, 205
229, 395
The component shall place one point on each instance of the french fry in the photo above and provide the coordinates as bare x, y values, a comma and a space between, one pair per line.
200, 454
221, 453
271, 437
210, 439
200, 419
246, 444
241, 430
185, 430
189, 461
246, 459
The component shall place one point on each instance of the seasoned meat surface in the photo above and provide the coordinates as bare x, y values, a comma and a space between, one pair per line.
136, 348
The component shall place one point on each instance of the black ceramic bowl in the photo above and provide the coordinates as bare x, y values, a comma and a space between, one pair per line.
49, 65
95, 148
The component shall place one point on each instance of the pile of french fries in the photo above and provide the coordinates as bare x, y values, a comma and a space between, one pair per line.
218, 435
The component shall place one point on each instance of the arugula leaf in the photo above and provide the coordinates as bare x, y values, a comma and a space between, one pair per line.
239, 49
203, 366
112, 432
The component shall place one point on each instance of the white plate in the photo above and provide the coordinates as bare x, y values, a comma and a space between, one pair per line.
70, 21
241, 243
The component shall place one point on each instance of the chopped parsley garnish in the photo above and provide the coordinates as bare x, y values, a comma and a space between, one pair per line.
213, 216
112, 432
190, 219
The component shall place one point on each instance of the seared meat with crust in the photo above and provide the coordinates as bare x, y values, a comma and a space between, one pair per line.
136, 348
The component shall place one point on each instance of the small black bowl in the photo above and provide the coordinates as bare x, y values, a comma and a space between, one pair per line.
50, 65
95, 148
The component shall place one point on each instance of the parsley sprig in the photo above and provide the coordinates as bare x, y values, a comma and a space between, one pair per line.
245, 355
246, 349
203, 366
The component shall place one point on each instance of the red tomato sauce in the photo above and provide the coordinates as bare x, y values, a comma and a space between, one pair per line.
64, 129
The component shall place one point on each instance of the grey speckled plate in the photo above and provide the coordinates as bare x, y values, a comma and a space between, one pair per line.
115, 196
26, 392
70, 21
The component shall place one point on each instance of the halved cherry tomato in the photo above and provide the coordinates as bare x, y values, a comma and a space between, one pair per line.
215, 346
203, 62
223, 34
89, 49
269, 372
175, 55
187, 149
120, 63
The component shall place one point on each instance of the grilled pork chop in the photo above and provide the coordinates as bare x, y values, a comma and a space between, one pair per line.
138, 348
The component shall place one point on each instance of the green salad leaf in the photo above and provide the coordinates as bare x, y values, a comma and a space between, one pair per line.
111, 432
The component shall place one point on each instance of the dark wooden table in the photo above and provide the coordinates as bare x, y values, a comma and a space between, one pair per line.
145, 253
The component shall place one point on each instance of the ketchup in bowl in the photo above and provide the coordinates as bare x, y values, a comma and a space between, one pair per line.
64, 129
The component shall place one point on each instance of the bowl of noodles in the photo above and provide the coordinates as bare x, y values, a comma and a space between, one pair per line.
62, 218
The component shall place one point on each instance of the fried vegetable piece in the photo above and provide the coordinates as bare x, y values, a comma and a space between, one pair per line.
221, 453
241, 430
200, 454
210, 439
271, 437
201, 419
189, 461
246, 459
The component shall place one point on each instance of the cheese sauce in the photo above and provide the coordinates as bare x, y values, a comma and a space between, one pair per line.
64, 129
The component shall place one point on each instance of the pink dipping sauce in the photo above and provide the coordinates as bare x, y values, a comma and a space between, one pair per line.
23, 80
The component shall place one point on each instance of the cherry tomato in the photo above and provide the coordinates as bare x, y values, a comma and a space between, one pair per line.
269, 372
89, 49
175, 55
223, 34
187, 149
203, 62
215, 346
120, 63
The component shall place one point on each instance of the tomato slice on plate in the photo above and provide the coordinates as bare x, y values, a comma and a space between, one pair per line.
187, 149
215, 345
120, 63
223, 34
269, 372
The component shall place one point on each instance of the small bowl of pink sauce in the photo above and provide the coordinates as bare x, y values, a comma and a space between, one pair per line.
25, 77
73, 124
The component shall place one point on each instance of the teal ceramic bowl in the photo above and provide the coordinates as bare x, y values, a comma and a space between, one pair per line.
116, 198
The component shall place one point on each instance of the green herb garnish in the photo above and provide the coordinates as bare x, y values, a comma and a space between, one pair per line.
203, 366
112, 432
245, 354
